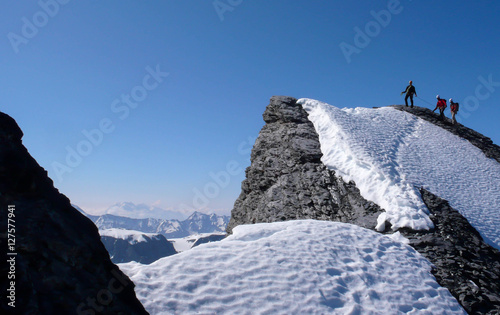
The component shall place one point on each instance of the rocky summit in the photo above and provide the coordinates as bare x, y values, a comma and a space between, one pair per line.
57, 263
287, 180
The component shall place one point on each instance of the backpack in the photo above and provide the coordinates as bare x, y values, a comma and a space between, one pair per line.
454, 107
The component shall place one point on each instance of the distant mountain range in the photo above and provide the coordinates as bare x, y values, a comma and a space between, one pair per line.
145, 248
138, 211
196, 223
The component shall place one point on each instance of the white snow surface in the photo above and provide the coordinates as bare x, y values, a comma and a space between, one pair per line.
293, 267
133, 237
185, 243
391, 154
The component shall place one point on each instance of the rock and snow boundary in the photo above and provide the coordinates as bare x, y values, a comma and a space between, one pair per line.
293, 267
390, 154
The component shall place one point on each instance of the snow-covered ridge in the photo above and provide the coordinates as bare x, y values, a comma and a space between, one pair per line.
390, 154
131, 236
196, 223
293, 267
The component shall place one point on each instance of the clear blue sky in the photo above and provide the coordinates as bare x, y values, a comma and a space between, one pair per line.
65, 66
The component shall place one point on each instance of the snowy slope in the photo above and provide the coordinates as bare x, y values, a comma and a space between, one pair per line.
390, 154
294, 267
133, 237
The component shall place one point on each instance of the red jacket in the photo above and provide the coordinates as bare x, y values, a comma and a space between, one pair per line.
441, 103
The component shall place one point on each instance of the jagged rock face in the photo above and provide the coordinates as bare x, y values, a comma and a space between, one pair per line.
61, 266
145, 252
463, 262
287, 180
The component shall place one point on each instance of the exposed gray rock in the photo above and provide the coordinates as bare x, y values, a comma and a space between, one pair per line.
61, 266
463, 262
287, 180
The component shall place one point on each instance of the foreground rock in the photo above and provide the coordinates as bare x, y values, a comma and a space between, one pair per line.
287, 180
61, 266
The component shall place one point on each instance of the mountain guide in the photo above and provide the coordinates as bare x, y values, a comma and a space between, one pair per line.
410, 90
441, 104
454, 110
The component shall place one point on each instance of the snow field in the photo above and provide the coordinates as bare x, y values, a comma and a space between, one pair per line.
185, 243
391, 154
294, 267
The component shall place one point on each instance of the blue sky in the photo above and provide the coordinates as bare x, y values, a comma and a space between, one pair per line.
159, 102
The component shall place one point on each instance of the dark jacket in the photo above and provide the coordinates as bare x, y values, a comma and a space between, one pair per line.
410, 90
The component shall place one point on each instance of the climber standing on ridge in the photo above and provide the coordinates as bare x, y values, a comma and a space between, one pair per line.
454, 110
441, 104
410, 90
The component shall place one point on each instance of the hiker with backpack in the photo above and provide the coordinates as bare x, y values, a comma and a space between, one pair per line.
441, 104
454, 110
410, 90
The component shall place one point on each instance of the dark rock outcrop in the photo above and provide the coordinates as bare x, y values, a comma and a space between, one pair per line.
60, 266
147, 251
482, 142
463, 262
287, 180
